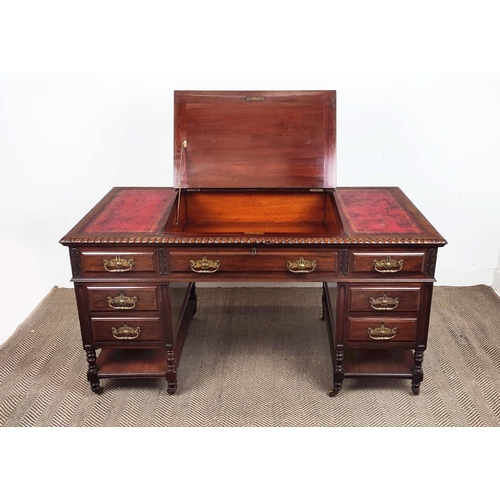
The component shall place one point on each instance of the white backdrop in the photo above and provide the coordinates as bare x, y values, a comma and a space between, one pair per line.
66, 139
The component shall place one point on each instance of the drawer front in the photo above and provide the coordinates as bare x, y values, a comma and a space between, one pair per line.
388, 264
118, 264
204, 261
125, 329
384, 299
382, 330
116, 298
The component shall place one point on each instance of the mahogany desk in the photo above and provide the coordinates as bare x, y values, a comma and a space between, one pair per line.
134, 273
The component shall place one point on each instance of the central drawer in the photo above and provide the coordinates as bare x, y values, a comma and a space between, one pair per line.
254, 260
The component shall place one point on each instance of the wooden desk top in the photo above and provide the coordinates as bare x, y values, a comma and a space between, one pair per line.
369, 215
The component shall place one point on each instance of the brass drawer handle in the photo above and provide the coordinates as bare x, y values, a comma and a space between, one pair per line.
382, 332
204, 265
388, 265
301, 265
122, 302
384, 303
118, 265
125, 332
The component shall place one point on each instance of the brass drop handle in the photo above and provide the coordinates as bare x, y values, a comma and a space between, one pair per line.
382, 332
126, 332
301, 265
204, 265
388, 265
384, 303
118, 265
122, 302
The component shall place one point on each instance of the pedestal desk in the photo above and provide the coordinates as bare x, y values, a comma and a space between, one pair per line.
255, 200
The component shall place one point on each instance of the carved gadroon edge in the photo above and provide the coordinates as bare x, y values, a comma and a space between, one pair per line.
76, 262
223, 240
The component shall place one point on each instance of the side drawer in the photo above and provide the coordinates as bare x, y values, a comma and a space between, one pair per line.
122, 298
202, 261
365, 298
388, 264
381, 331
118, 263
126, 329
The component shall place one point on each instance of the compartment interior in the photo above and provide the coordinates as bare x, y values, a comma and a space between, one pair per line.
255, 212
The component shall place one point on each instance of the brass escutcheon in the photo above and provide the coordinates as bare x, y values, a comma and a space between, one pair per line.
388, 265
118, 265
122, 302
126, 332
301, 265
384, 303
204, 265
382, 332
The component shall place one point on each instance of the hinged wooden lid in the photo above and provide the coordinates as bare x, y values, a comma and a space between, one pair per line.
236, 139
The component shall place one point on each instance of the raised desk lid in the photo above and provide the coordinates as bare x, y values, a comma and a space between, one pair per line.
238, 139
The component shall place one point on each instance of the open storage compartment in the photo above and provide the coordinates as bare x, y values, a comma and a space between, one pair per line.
256, 212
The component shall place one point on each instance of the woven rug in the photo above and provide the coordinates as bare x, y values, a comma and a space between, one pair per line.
256, 357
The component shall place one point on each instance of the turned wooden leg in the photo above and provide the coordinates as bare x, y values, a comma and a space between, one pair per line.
193, 296
92, 371
323, 299
171, 385
338, 373
171, 374
418, 373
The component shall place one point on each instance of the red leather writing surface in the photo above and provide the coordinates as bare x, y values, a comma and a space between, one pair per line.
134, 210
376, 211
